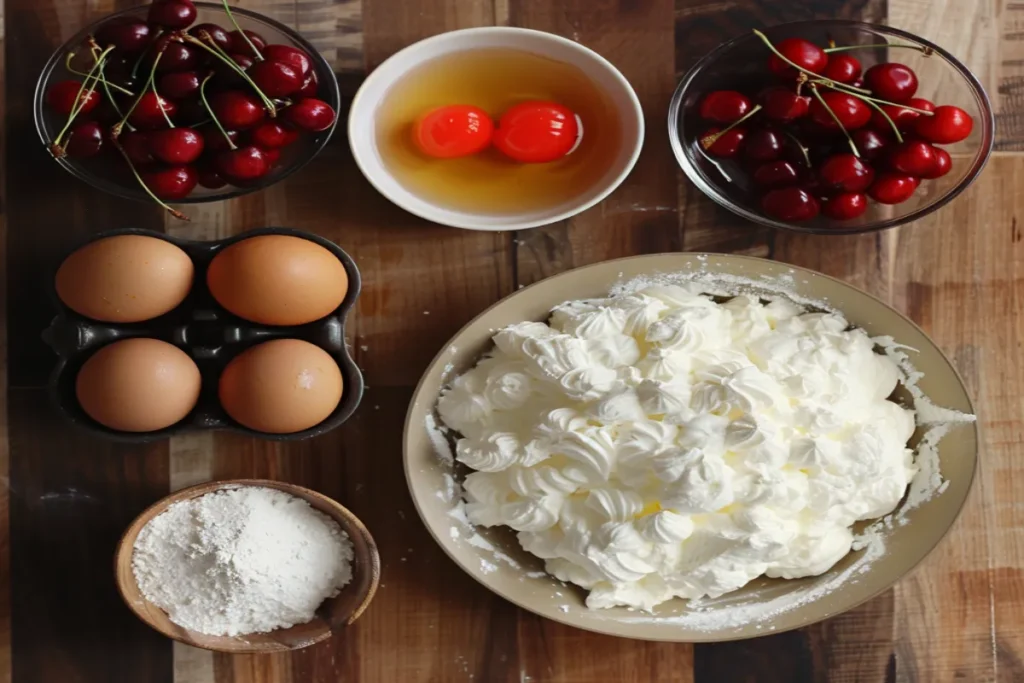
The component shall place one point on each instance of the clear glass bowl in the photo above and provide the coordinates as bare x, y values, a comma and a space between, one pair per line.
108, 172
741, 64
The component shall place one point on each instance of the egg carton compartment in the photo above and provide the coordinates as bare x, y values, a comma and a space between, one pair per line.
209, 334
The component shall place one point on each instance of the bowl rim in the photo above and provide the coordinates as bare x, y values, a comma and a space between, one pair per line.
468, 222
440, 358
987, 143
351, 523
321, 66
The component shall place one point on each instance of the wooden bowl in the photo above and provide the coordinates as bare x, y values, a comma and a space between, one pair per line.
332, 616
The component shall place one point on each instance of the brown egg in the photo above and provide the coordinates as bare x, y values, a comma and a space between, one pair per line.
125, 279
138, 385
281, 386
277, 280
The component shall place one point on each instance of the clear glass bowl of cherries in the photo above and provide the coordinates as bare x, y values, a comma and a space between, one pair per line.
185, 102
831, 127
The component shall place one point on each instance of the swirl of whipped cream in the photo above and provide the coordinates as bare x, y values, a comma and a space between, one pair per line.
665, 526
588, 319
687, 329
493, 453
594, 449
614, 350
615, 505
664, 365
623, 406
536, 482
510, 341
705, 484
641, 312
464, 407
508, 387
749, 318
664, 398
532, 514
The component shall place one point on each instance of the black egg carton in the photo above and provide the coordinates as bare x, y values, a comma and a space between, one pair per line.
209, 334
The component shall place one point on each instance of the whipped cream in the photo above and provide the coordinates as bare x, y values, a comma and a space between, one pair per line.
659, 444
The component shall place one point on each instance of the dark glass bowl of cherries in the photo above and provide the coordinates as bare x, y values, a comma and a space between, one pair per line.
183, 102
832, 127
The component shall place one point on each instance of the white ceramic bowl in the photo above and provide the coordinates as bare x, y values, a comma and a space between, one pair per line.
363, 138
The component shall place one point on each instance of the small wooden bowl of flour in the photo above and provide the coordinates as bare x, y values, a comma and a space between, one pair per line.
283, 537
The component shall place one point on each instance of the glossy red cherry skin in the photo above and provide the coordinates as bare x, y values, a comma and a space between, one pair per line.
893, 188
310, 114
180, 85
891, 81
763, 145
136, 146
776, 174
172, 14
903, 117
292, 56
239, 44
946, 125
310, 87
237, 110
85, 140
727, 145
852, 112
129, 35
271, 135
871, 144
62, 97
845, 206
147, 113
790, 204
210, 178
724, 106
176, 146
179, 57
803, 53
846, 173
216, 33
275, 79
913, 157
214, 140
842, 68
783, 105
943, 165
175, 182
243, 164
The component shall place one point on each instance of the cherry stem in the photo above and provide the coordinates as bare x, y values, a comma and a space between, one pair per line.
107, 84
209, 109
224, 57
892, 124
853, 146
116, 131
231, 18
174, 212
800, 146
709, 140
842, 87
923, 49
142, 56
799, 68
94, 50
55, 148
159, 101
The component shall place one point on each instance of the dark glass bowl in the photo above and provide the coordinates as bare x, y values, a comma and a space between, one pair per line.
109, 172
741, 64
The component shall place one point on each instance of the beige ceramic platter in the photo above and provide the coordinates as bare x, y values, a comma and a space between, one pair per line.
494, 558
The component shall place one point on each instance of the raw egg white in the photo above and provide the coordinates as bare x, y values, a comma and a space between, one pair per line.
277, 280
281, 386
138, 385
125, 278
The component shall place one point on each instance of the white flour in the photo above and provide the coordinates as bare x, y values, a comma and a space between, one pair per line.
241, 560
758, 606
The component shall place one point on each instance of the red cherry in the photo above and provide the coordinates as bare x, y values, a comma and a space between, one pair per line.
724, 106
147, 113
943, 164
870, 143
181, 85
846, 206
842, 68
763, 145
310, 87
214, 140
292, 56
136, 146
782, 105
62, 96
891, 81
172, 14
310, 114
790, 204
243, 164
85, 140
236, 109
217, 34
171, 183
275, 79
126, 34
804, 54
176, 145
271, 134
226, 77
851, 111
239, 44
903, 117
178, 57
210, 178
776, 174
727, 145
913, 157
945, 126
846, 172
273, 155
893, 188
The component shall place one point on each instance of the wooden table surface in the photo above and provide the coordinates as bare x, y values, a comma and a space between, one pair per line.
959, 273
